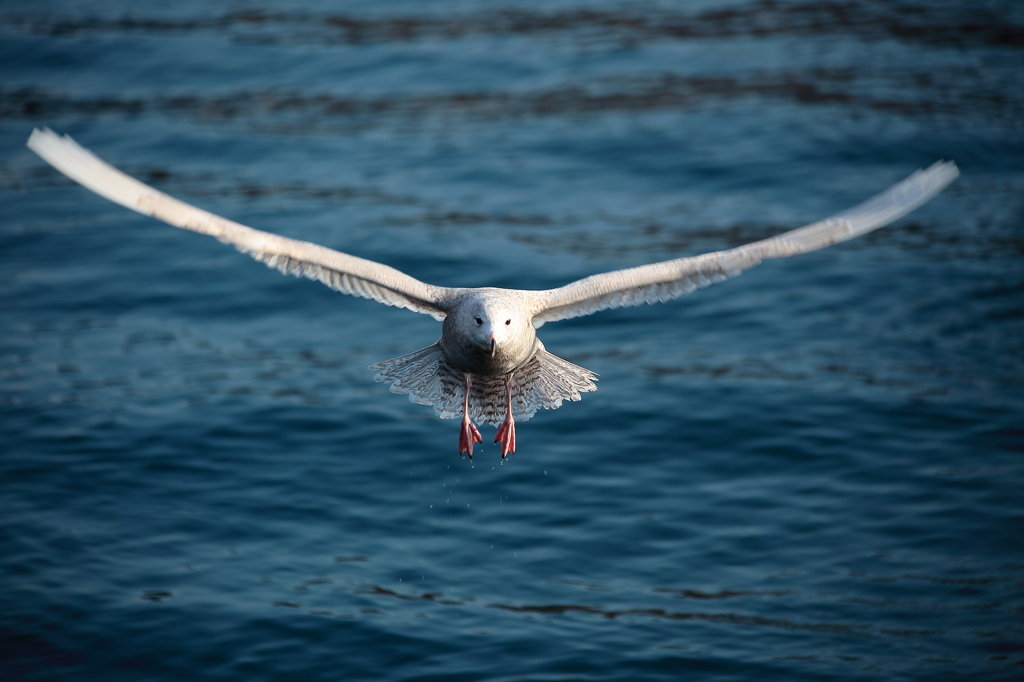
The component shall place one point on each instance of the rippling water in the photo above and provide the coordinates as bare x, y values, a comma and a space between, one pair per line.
813, 471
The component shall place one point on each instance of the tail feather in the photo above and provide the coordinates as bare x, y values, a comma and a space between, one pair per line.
418, 374
545, 381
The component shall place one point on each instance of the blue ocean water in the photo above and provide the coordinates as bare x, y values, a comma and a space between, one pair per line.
812, 471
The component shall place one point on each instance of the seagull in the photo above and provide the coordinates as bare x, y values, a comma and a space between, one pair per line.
488, 366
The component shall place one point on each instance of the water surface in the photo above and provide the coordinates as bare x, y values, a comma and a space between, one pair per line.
812, 471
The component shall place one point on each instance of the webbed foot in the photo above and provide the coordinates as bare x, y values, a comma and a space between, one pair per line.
507, 429
468, 435
506, 435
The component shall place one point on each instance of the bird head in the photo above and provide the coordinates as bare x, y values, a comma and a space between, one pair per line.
492, 323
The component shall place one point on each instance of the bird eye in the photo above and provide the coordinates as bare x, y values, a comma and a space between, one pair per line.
508, 322
479, 321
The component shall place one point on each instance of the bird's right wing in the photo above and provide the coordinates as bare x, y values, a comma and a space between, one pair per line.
339, 271
670, 279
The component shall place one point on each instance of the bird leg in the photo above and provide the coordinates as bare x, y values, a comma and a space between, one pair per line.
469, 434
507, 429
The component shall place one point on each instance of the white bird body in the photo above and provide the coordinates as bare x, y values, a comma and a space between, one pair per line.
488, 331
488, 364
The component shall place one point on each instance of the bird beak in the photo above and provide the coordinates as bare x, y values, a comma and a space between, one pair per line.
493, 341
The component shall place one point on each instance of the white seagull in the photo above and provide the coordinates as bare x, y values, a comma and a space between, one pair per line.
488, 364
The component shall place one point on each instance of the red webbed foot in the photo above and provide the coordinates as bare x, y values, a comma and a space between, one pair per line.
506, 436
507, 430
468, 435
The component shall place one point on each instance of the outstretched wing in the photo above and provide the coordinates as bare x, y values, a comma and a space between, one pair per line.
670, 279
340, 271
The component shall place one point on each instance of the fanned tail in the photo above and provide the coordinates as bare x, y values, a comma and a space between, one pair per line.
545, 381
418, 374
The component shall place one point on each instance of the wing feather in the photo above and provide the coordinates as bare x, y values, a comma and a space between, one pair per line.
339, 271
671, 279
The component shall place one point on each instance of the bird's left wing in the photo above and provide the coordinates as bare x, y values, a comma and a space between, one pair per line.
339, 271
670, 279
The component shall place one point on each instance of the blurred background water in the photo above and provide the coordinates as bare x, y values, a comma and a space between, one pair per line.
813, 471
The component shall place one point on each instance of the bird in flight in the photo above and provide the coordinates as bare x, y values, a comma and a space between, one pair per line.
488, 365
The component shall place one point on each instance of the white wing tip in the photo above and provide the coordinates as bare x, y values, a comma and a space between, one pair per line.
66, 155
43, 139
942, 172
926, 183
